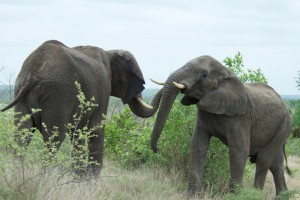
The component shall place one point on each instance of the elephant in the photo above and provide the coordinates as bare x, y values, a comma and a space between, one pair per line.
249, 118
47, 81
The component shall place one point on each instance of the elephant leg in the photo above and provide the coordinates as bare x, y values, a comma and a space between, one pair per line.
238, 142
264, 160
95, 157
277, 170
199, 146
54, 118
53, 137
23, 135
267, 156
262, 166
238, 156
96, 142
96, 151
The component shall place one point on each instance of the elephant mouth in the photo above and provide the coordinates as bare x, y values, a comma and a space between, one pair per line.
187, 100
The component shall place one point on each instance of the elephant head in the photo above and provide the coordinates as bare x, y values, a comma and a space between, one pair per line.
205, 82
127, 83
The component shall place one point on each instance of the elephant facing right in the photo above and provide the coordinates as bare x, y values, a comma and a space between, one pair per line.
251, 119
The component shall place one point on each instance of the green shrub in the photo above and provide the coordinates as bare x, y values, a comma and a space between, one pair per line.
296, 114
293, 146
127, 140
174, 142
216, 171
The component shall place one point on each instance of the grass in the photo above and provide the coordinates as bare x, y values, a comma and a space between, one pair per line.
31, 181
116, 183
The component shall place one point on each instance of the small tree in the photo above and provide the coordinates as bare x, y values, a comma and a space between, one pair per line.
236, 65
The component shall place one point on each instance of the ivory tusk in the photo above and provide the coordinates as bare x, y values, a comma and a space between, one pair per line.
179, 86
139, 99
157, 82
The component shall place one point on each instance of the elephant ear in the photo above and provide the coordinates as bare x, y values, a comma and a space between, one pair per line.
127, 78
230, 98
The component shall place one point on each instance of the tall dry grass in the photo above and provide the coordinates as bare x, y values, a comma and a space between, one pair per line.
116, 183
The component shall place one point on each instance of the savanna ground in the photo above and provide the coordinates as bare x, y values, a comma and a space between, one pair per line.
117, 183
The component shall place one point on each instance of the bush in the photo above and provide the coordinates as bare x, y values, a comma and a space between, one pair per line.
296, 114
174, 142
127, 140
296, 131
293, 146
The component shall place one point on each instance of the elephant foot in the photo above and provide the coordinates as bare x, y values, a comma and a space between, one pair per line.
192, 193
82, 172
94, 170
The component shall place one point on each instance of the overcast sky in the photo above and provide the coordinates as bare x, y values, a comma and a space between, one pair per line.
162, 34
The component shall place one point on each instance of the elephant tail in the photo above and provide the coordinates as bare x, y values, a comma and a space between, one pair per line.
286, 162
21, 93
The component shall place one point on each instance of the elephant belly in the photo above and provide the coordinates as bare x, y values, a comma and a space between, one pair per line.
262, 134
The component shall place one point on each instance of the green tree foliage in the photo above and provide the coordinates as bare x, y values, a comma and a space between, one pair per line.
127, 139
236, 65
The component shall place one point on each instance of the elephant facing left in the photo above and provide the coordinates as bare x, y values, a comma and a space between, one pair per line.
47, 81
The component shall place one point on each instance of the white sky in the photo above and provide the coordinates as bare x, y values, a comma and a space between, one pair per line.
162, 34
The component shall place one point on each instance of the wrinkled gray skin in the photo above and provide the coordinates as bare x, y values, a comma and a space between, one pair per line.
47, 81
251, 119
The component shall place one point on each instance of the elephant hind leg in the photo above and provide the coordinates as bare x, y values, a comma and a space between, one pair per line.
267, 158
263, 161
25, 131
277, 170
54, 125
260, 173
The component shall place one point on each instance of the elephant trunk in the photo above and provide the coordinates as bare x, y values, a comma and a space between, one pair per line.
142, 111
169, 93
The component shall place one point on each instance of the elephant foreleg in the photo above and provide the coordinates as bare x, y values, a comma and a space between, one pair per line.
199, 146
238, 156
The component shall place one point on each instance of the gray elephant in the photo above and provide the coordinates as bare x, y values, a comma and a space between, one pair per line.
47, 81
251, 119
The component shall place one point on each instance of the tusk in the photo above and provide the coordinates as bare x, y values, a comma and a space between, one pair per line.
157, 82
139, 99
179, 86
